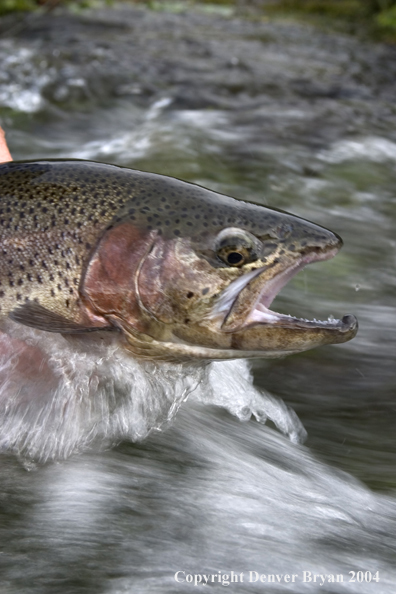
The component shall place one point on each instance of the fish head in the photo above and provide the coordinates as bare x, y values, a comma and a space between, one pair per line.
202, 287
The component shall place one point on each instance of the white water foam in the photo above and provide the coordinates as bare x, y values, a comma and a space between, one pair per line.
102, 395
372, 148
135, 142
22, 78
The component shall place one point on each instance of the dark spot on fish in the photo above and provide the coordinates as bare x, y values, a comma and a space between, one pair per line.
205, 291
176, 232
20, 282
190, 294
1, 293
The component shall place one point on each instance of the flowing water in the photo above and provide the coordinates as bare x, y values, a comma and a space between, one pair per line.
285, 115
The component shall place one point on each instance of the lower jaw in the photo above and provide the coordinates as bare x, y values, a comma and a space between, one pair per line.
263, 340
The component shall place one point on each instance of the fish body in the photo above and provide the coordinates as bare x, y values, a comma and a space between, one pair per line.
121, 292
178, 270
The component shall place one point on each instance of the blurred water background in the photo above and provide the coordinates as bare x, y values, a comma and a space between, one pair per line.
284, 114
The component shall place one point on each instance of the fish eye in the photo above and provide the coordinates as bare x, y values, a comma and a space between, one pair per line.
234, 256
236, 247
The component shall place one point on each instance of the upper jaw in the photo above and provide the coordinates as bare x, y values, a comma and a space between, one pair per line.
261, 314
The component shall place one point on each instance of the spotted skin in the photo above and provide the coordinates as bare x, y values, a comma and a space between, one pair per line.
48, 226
52, 214
87, 246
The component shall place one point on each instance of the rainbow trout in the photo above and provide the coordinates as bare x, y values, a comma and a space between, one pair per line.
180, 272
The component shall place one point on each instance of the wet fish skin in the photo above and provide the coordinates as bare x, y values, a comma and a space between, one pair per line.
88, 246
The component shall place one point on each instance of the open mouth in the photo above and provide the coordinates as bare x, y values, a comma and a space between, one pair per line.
238, 296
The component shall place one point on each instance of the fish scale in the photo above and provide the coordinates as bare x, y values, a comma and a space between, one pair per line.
53, 212
180, 270
48, 227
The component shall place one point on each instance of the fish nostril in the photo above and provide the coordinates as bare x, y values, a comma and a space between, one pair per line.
283, 230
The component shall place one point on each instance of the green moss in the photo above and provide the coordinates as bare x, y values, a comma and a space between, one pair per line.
8, 6
224, 2
16, 5
387, 18
333, 8
375, 18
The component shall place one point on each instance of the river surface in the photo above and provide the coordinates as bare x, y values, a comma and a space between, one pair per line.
285, 115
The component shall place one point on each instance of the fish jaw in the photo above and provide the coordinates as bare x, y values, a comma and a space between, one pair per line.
263, 289
264, 330
242, 322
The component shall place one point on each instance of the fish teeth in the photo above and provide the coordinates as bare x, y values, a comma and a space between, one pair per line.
330, 320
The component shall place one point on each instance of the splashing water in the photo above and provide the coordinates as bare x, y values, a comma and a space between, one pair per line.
92, 391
